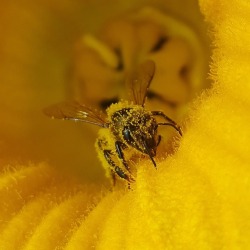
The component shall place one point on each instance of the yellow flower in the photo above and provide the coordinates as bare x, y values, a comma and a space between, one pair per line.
196, 199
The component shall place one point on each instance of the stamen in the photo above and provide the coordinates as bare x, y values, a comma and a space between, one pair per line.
108, 56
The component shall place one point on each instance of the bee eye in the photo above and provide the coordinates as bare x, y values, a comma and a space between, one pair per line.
126, 134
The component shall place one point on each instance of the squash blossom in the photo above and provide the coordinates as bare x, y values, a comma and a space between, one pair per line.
53, 189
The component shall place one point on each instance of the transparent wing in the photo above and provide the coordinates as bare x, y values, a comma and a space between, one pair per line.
76, 112
139, 82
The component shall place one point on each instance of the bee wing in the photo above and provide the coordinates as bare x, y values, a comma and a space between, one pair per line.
76, 112
140, 80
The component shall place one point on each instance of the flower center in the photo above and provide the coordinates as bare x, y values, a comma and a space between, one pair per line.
104, 60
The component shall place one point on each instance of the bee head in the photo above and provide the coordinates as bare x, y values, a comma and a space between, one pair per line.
143, 137
137, 128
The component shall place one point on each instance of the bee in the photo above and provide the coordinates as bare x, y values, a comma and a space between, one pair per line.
127, 125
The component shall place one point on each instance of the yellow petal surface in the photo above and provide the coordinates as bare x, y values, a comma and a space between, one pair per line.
40, 209
195, 199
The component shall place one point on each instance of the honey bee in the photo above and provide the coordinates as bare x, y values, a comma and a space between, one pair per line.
126, 124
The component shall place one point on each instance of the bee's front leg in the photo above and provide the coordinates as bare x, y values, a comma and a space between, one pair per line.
108, 155
119, 149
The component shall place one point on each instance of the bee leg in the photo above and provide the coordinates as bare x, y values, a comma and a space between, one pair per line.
119, 147
170, 123
108, 156
160, 113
